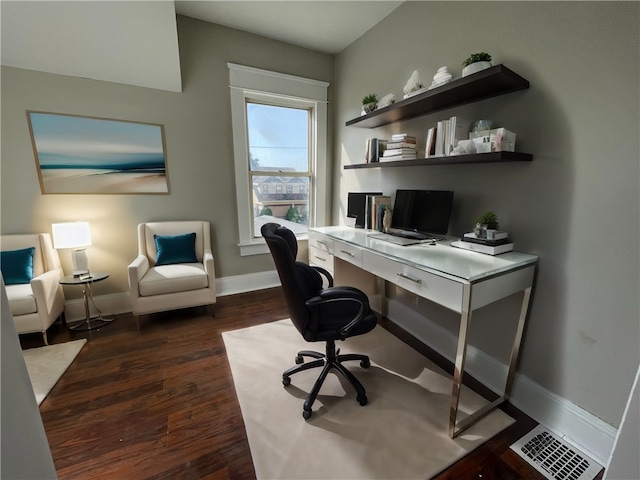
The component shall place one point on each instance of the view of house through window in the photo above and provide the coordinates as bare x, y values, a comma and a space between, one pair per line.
279, 165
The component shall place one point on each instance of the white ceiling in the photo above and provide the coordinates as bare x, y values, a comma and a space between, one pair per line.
136, 42
326, 26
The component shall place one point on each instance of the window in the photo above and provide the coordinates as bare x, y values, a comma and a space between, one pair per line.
279, 135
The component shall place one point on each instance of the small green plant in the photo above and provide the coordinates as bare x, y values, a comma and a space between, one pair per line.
490, 219
477, 57
371, 98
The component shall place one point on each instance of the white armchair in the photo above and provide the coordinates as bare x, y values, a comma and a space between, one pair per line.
37, 304
168, 279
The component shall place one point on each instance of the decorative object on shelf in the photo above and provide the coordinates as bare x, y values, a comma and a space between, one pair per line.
496, 140
441, 77
413, 85
387, 100
482, 125
475, 63
369, 103
487, 221
464, 147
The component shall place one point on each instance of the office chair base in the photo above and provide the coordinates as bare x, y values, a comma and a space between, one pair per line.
331, 360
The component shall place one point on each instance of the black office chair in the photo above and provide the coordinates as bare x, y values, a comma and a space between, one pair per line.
320, 314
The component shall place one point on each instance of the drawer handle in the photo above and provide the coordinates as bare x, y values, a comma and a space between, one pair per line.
320, 258
348, 253
320, 242
414, 280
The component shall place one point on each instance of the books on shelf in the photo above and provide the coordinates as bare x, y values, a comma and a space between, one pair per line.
373, 149
486, 249
401, 147
445, 136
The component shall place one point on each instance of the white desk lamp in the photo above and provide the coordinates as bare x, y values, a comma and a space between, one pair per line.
74, 235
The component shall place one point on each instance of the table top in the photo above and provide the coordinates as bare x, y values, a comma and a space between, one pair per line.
94, 277
440, 258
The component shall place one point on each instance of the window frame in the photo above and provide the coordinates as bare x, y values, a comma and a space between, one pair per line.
264, 86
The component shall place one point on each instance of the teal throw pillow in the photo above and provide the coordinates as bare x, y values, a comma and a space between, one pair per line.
17, 265
175, 248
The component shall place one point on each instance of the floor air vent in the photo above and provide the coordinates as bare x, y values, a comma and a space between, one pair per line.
554, 458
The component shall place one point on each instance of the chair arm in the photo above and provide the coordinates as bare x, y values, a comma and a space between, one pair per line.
136, 270
207, 260
344, 295
324, 272
44, 288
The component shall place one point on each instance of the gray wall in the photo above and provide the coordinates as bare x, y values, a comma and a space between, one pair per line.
576, 205
198, 139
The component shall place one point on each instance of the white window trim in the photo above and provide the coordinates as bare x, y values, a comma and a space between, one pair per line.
245, 82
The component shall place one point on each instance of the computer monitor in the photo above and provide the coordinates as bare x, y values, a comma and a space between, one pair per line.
422, 211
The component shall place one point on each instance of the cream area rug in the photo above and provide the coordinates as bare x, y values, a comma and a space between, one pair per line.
402, 433
47, 364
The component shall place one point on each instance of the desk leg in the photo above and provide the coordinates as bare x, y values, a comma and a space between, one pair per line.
455, 428
515, 350
461, 354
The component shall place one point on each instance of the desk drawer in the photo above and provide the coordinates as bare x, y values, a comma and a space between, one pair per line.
320, 242
321, 258
348, 253
443, 291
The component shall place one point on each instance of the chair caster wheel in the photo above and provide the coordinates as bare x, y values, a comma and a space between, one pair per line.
365, 363
306, 414
362, 400
286, 381
299, 359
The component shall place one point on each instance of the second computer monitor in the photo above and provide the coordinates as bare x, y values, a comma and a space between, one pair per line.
423, 211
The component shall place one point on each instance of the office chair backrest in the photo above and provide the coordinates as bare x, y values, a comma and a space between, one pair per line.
299, 281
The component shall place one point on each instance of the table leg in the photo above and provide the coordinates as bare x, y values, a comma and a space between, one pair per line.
87, 295
461, 354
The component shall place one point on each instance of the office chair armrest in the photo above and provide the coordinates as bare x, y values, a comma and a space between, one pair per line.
324, 272
343, 295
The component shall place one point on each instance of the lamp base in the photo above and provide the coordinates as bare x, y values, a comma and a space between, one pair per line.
80, 262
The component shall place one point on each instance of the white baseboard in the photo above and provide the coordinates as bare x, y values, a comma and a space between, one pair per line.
566, 419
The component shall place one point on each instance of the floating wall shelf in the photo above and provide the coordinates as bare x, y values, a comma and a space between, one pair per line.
493, 81
492, 157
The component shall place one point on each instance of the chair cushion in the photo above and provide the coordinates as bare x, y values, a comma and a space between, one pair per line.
164, 279
21, 299
17, 265
171, 249
310, 280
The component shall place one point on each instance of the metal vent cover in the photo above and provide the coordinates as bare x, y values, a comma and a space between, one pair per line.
554, 458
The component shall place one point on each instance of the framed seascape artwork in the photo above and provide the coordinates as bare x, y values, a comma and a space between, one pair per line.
79, 154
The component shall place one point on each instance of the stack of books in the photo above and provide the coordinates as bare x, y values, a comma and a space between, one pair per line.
499, 244
400, 147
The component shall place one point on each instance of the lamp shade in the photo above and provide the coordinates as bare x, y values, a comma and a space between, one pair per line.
71, 235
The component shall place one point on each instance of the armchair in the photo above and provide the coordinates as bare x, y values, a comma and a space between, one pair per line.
174, 267
319, 314
37, 302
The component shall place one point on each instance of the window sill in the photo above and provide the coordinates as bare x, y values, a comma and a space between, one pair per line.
259, 247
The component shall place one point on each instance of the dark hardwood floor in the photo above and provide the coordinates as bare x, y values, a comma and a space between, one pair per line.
159, 402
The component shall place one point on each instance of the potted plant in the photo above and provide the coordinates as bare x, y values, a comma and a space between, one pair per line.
369, 103
487, 221
475, 63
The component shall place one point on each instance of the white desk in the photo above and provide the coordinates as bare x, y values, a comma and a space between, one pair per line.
457, 279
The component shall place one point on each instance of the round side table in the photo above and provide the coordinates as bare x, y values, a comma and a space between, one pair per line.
87, 282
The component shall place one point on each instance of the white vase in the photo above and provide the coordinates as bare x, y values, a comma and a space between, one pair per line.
475, 67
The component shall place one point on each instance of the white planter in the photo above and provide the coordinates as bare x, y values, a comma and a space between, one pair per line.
475, 67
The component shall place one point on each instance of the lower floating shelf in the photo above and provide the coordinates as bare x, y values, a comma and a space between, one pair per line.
492, 157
